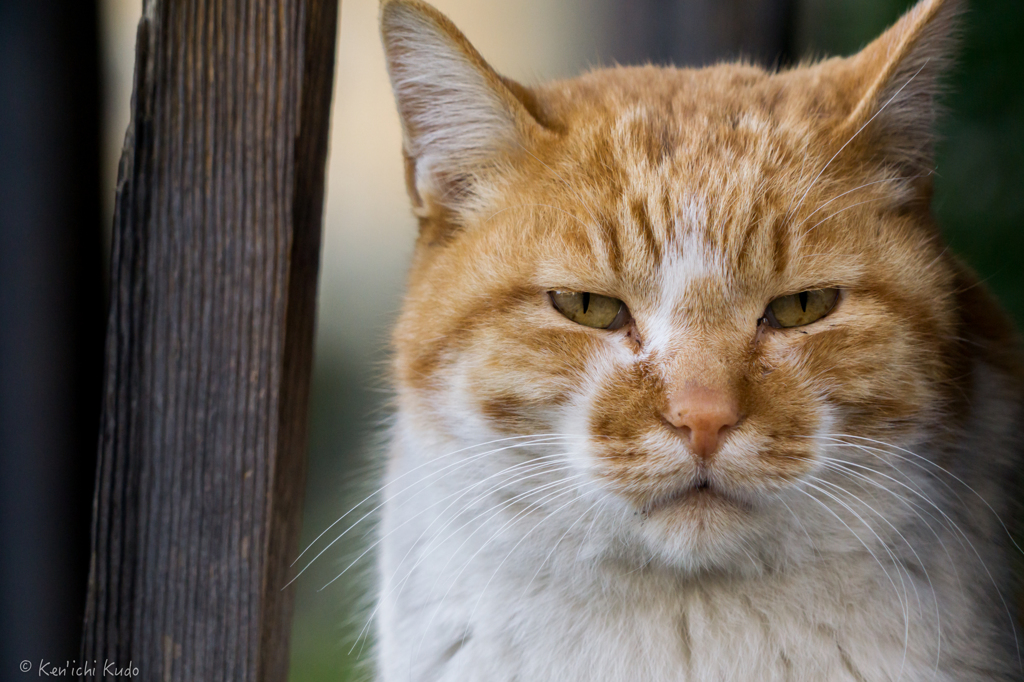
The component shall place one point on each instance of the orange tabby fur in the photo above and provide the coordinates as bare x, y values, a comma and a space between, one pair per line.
696, 197
589, 203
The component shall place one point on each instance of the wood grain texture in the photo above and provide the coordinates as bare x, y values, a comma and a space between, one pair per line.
209, 342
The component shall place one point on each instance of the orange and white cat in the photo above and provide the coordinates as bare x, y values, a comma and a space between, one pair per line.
688, 385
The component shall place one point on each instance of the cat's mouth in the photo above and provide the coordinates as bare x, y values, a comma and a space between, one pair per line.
702, 492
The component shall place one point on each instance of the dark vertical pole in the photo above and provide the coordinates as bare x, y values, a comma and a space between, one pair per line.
209, 342
51, 322
700, 32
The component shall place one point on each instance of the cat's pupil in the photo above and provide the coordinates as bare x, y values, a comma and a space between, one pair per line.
803, 301
586, 302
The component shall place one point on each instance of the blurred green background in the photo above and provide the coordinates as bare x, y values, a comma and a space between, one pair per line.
369, 229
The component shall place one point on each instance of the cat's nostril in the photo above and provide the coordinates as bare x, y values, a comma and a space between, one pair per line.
702, 417
681, 429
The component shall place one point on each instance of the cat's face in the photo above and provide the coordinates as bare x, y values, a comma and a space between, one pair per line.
703, 277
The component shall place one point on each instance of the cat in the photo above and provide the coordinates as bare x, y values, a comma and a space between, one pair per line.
688, 386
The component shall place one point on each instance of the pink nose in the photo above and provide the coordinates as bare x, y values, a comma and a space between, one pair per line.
703, 416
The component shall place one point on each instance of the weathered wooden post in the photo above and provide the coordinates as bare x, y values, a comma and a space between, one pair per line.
209, 341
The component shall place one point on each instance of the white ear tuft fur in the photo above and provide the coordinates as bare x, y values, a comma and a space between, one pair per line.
457, 114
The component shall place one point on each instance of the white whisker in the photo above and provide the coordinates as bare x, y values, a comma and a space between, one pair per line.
540, 438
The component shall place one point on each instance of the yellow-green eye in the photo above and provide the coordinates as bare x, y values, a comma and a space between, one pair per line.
796, 310
592, 310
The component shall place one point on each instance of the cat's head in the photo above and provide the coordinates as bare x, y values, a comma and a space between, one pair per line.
704, 277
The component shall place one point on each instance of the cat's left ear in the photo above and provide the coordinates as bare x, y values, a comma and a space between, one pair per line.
897, 80
461, 121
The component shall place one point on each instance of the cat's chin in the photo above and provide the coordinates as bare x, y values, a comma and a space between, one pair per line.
700, 528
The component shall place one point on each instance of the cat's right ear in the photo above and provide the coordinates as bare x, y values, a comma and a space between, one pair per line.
461, 121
